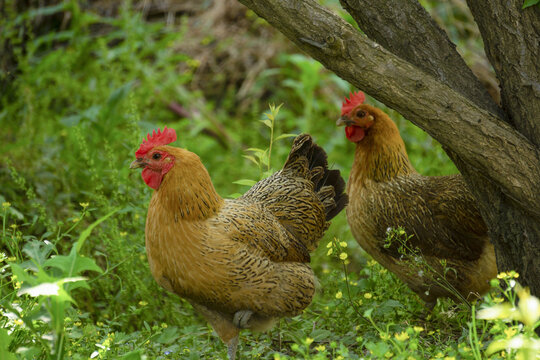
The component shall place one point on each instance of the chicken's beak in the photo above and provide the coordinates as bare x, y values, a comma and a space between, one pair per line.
344, 121
139, 163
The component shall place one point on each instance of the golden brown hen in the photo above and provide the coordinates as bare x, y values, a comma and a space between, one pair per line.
439, 212
241, 263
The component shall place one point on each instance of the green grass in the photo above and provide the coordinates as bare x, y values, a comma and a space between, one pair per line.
74, 279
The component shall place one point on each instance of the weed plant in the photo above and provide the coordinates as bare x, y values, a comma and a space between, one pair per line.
74, 279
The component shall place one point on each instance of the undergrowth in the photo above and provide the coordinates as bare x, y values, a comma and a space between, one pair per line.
74, 279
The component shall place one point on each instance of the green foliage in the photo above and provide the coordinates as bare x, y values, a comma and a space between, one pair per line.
528, 3
76, 111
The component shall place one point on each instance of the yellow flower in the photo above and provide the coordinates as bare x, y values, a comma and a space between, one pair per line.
339, 295
164, 325
99, 323
84, 205
320, 348
418, 329
528, 306
402, 336
343, 244
371, 263
339, 357
75, 220
343, 256
123, 233
308, 341
510, 332
389, 354
450, 358
330, 251
326, 270
368, 295
329, 245
143, 303
14, 226
501, 275
6, 204
384, 336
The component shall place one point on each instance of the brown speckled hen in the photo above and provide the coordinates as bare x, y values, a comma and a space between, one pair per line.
241, 263
440, 213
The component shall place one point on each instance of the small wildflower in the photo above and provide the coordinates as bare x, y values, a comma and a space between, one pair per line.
384, 336
371, 263
330, 251
343, 256
528, 306
78, 323
6, 204
388, 354
502, 275
418, 329
383, 271
123, 233
14, 226
388, 230
308, 341
402, 336
320, 348
509, 332
75, 220
346, 262
360, 302
143, 303
339, 357
450, 358
11, 259
137, 216
339, 295
326, 270
164, 325
368, 295
343, 244
84, 205
99, 323
421, 273
401, 232
512, 283
329, 245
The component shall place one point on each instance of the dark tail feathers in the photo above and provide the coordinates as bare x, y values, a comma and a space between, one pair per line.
328, 184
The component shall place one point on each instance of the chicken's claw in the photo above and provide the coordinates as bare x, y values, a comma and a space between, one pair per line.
241, 319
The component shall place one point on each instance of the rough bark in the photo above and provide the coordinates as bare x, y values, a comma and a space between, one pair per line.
449, 103
512, 43
407, 30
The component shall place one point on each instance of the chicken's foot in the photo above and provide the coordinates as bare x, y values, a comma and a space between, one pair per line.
241, 319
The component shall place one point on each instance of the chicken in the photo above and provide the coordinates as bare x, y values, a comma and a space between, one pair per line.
241, 263
438, 212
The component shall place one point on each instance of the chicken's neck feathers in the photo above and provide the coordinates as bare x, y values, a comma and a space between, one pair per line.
189, 194
381, 158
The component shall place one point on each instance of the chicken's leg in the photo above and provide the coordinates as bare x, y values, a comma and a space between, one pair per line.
231, 347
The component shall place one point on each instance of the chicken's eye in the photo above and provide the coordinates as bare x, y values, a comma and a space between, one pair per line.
156, 156
361, 113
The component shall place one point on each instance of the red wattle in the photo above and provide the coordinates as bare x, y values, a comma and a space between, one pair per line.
152, 178
355, 133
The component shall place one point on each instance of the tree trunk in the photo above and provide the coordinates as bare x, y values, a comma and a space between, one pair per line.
420, 74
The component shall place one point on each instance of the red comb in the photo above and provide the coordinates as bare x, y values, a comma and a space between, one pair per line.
164, 137
353, 101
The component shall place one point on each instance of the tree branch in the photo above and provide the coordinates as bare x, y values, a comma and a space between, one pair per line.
511, 37
407, 30
477, 136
